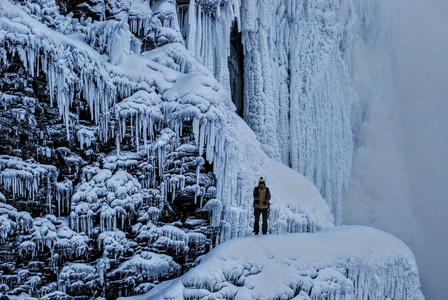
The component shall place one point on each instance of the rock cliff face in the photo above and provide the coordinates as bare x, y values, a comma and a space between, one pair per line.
127, 219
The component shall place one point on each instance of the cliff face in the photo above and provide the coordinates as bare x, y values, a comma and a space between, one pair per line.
122, 159
92, 170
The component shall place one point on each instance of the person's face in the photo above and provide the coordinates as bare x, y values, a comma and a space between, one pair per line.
262, 184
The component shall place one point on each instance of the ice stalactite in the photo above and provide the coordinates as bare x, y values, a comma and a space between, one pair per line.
14, 221
6, 227
214, 207
154, 214
207, 29
113, 244
70, 245
114, 39
64, 191
139, 26
232, 216
24, 178
86, 137
27, 247
164, 144
297, 221
44, 234
143, 110
20, 182
172, 239
196, 241
176, 183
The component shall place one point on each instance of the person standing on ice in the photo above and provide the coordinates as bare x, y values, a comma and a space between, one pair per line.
262, 195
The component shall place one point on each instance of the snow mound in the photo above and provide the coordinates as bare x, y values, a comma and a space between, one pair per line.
346, 262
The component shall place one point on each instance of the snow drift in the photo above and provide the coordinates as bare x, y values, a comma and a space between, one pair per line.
347, 262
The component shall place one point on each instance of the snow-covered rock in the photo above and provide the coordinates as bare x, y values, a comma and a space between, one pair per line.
348, 262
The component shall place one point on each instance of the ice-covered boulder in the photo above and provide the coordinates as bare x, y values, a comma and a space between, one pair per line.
113, 196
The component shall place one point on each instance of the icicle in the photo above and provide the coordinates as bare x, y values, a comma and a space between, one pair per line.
192, 21
196, 130
137, 129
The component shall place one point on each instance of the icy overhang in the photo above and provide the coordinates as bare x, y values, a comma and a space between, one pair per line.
347, 262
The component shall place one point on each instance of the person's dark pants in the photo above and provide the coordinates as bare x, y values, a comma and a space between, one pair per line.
264, 226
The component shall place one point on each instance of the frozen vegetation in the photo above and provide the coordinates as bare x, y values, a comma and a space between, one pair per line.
125, 160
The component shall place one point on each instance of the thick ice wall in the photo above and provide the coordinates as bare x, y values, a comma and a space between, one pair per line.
399, 167
297, 89
349, 262
296, 204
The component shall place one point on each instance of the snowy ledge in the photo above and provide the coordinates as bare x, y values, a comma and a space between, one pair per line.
346, 262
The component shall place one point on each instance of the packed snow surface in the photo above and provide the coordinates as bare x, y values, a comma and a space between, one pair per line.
346, 262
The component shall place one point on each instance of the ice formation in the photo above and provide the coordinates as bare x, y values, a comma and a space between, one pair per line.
22, 178
151, 266
111, 197
348, 262
78, 278
296, 71
13, 220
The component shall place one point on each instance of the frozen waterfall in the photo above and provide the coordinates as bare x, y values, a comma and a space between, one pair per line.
297, 89
137, 162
